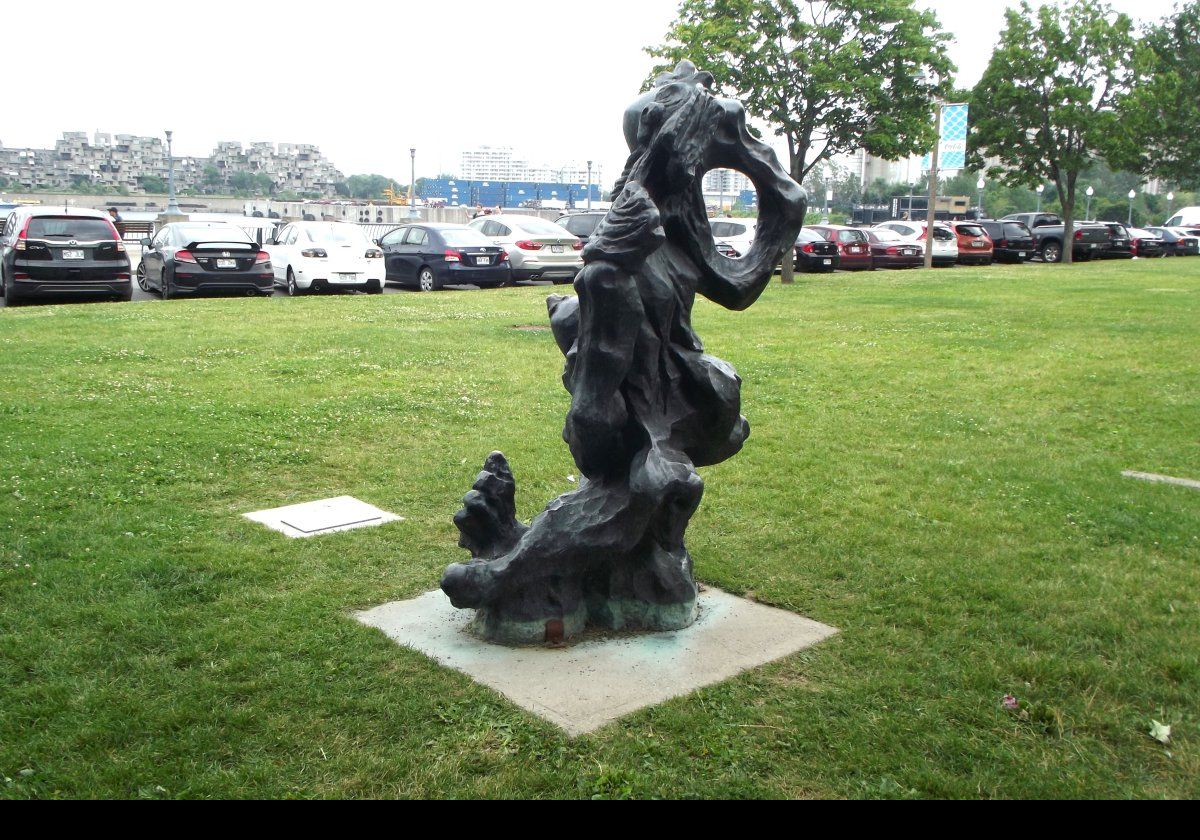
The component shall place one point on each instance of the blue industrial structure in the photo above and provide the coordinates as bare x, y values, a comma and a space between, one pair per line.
505, 193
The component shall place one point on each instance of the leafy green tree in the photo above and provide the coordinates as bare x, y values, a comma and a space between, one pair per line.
1159, 128
1044, 107
212, 178
368, 186
152, 184
828, 77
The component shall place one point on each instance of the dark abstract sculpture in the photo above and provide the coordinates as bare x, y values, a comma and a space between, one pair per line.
648, 406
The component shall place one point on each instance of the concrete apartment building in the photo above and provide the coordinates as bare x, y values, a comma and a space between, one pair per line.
118, 161
500, 163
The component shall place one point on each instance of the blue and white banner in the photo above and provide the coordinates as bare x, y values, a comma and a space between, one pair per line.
952, 147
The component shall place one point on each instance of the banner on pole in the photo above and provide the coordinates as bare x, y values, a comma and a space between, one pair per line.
952, 146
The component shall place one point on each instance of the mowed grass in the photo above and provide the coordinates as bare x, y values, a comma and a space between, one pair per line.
934, 469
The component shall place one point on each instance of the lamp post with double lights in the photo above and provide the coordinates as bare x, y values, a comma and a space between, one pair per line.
172, 202
589, 186
412, 185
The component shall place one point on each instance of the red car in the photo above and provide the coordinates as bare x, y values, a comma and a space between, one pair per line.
854, 248
891, 250
974, 244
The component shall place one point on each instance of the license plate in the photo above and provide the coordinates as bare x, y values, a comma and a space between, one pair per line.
347, 278
1094, 246
1021, 254
72, 254
978, 243
226, 263
556, 249
828, 262
483, 261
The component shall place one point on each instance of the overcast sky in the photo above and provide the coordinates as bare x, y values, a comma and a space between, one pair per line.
366, 81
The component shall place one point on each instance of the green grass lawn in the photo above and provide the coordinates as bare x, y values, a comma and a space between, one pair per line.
934, 469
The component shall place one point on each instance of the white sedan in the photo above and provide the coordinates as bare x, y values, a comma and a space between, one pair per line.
537, 249
945, 243
325, 257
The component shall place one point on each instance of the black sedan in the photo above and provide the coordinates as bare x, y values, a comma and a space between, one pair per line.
891, 250
188, 258
51, 252
815, 253
1176, 242
430, 256
1120, 246
1012, 242
582, 224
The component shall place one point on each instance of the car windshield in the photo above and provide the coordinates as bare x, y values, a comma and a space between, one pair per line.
212, 233
943, 234
464, 237
69, 227
339, 234
581, 225
539, 227
971, 230
886, 235
1016, 230
807, 235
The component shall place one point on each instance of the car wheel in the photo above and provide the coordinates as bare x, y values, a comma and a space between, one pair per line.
165, 290
292, 289
375, 289
143, 284
126, 295
1051, 252
427, 280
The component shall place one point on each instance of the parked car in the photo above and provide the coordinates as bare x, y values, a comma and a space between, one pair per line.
1119, 246
192, 257
1048, 229
815, 253
737, 233
430, 256
537, 249
1184, 217
324, 257
1011, 241
945, 243
854, 247
54, 251
1144, 244
1177, 242
891, 250
974, 244
582, 224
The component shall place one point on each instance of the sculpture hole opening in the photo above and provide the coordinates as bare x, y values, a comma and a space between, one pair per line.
730, 200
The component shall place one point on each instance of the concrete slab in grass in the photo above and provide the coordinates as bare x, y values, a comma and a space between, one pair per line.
599, 679
324, 516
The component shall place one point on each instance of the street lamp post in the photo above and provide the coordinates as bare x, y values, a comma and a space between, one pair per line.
1040, 189
589, 186
1132, 196
1088, 214
412, 184
979, 186
172, 203
1170, 203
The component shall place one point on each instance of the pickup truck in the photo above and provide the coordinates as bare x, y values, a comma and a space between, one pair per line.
1091, 240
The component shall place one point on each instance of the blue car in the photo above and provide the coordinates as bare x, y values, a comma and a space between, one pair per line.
430, 256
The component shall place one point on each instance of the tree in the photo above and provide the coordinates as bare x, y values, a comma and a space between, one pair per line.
1159, 126
152, 184
829, 77
368, 186
1044, 107
212, 178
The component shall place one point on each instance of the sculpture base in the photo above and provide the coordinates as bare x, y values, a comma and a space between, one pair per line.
605, 676
614, 614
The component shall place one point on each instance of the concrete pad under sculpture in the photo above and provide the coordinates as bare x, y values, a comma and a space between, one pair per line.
582, 687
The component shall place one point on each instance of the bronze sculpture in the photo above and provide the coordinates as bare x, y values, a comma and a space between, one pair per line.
648, 405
